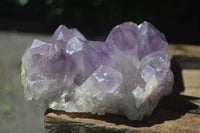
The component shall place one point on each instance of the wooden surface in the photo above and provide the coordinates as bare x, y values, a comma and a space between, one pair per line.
179, 112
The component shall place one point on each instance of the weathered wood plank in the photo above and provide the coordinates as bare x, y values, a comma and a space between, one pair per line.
179, 112
191, 79
187, 74
184, 49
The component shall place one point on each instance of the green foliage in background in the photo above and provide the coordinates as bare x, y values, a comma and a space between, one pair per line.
5, 108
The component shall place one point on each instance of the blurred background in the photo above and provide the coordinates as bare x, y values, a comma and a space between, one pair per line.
23, 20
179, 20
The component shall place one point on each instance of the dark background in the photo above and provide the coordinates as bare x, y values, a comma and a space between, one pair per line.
179, 20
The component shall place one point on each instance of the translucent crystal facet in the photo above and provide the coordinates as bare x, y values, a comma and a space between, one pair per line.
127, 74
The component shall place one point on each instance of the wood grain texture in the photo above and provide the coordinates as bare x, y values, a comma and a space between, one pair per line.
176, 113
184, 50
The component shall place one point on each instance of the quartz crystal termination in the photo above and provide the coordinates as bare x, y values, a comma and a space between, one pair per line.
126, 74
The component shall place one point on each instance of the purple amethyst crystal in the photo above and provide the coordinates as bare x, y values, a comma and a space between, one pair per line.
127, 74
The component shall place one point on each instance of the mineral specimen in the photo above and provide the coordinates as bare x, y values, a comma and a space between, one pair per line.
126, 74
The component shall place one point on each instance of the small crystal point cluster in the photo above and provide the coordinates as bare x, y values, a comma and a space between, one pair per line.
126, 74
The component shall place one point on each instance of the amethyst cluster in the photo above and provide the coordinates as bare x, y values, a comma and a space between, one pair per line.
126, 74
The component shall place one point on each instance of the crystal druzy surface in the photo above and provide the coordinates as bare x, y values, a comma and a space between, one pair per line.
126, 74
